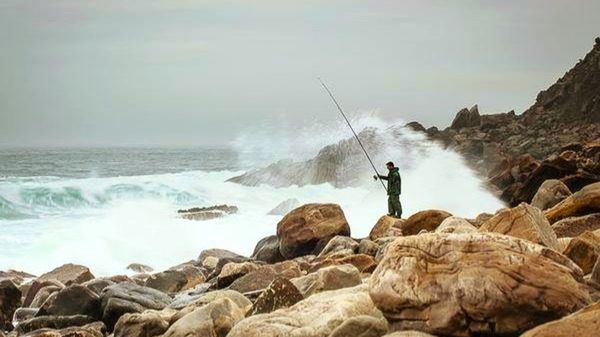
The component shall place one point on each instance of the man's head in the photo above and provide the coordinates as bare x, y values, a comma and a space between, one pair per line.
389, 165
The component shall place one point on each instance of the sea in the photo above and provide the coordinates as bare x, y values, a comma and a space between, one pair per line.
106, 208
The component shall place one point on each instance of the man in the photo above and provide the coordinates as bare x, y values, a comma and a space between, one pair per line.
393, 190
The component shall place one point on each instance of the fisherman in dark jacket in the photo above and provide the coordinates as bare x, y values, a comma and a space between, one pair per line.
393, 190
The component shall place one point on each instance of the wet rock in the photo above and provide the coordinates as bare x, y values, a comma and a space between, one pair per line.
68, 274
281, 293
525, 222
285, 207
427, 220
340, 244
386, 226
213, 319
122, 298
308, 228
172, 281
549, 194
586, 201
232, 271
367, 247
42, 294
584, 250
53, 322
10, 300
72, 300
585, 322
207, 213
149, 323
267, 250
455, 224
140, 268
498, 284
575, 226
96, 329
415, 126
316, 316
328, 278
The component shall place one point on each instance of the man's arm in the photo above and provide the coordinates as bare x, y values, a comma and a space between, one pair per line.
383, 177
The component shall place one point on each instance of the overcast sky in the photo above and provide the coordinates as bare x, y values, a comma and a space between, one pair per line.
175, 72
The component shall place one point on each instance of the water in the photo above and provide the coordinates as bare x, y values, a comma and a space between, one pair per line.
107, 208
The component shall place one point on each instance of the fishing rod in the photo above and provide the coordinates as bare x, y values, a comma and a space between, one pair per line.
352, 129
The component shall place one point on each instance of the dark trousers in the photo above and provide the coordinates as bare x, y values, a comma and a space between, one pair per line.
394, 206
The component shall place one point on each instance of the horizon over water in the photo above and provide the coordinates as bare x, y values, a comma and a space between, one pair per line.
107, 207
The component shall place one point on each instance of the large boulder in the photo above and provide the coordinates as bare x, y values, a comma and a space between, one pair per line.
474, 284
525, 222
149, 323
329, 278
584, 250
232, 271
10, 300
267, 250
260, 278
75, 299
307, 229
550, 193
68, 274
385, 226
585, 201
214, 259
340, 244
122, 298
427, 220
281, 293
455, 224
575, 226
316, 316
172, 281
213, 319
585, 322
96, 329
466, 118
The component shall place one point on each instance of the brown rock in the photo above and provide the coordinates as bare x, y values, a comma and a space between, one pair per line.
574, 226
455, 224
409, 333
174, 280
308, 228
207, 213
267, 250
549, 194
149, 323
585, 322
10, 300
68, 274
427, 220
260, 278
584, 250
232, 271
16, 276
53, 322
96, 329
340, 244
586, 201
72, 300
525, 222
384, 226
364, 263
367, 247
474, 284
595, 277
361, 326
328, 278
281, 293
213, 319
563, 243
466, 118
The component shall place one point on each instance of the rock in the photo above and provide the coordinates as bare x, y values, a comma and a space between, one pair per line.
232, 271
525, 222
281, 293
267, 250
455, 224
549, 194
23, 314
409, 333
427, 220
340, 244
53, 322
240, 301
466, 118
563, 243
149, 323
285, 207
140, 268
207, 213
316, 316
362, 326
415, 126
10, 300
481, 218
385, 227
364, 263
72, 300
68, 274
43, 294
174, 280
260, 278
184, 298
308, 228
96, 329
574, 226
595, 277
586, 201
328, 278
214, 259
18, 277
122, 298
97, 285
213, 319
584, 322
367, 247
474, 284
584, 250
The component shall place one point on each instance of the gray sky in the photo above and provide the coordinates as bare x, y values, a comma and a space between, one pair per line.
178, 72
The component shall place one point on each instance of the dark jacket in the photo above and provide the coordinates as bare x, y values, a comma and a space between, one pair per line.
394, 182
